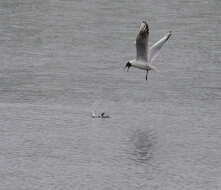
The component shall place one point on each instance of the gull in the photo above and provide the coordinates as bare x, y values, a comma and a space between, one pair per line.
145, 56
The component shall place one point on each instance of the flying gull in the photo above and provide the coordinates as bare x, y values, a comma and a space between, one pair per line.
145, 55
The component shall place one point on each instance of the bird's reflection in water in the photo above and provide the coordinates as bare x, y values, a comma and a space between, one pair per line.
143, 144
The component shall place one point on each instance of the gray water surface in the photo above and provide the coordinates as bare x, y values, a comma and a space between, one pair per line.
63, 59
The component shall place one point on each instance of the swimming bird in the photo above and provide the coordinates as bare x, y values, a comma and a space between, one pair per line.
102, 115
145, 56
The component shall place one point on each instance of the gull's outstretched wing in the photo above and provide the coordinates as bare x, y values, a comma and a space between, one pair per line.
155, 49
142, 42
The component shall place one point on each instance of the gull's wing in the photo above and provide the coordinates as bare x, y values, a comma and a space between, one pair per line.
142, 42
155, 49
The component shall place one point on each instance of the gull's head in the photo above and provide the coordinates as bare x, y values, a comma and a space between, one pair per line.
128, 65
144, 27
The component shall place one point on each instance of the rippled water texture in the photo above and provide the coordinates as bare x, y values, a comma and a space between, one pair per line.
61, 60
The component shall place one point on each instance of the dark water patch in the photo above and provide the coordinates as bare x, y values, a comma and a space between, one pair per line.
142, 145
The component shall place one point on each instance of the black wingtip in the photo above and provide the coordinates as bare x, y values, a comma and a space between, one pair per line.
169, 35
147, 26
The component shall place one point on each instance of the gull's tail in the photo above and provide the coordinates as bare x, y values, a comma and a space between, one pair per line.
154, 68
